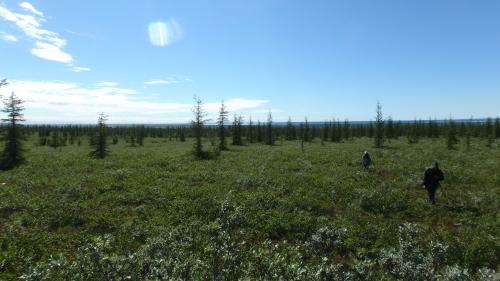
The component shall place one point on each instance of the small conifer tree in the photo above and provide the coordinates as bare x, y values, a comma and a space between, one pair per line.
379, 127
250, 131
237, 130
497, 128
451, 136
269, 130
289, 131
307, 134
389, 130
221, 120
100, 139
489, 132
13, 153
197, 126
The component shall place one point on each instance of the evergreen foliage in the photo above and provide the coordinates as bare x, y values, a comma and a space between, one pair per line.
269, 130
379, 127
221, 121
197, 127
100, 144
451, 135
13, 153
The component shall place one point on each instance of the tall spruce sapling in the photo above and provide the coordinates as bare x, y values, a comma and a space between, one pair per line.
467, 139
324, 133
100, 139
250, 136
237, 130
289, 129
269, 129
259, 132
197, 128
451, 135
347, 130
379, 127
56, 141
389, 129
497, 127
221, 126
13, 153
307, 133
182, 134
489, 132
140, 134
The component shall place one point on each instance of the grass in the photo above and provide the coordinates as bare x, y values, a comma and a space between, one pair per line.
62, 200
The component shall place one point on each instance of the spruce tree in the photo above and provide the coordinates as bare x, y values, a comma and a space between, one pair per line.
55, 140
269, 130
370, 129
451, 136
347, 130
100, 144
12, 155
497, 128
307, 135
237, 131
221, 129
250, 132
197, 127
289, 129
412, 132
467, 138
140, 133
389, 130
379, 127
324, 133
132, 140
260, 137
489, 132
182, 134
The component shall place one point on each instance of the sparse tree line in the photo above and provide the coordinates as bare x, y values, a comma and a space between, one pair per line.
240, 131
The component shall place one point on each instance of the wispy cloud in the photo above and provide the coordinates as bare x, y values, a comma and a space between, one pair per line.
7, 37
72, 102
167, 81
27, 6
106, 84
51, 52
160, 82
48, 44
80, 69
162, 34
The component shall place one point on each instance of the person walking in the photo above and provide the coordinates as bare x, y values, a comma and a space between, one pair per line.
366, 159
432, 178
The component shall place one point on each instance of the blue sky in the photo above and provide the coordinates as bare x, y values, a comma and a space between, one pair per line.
143, 61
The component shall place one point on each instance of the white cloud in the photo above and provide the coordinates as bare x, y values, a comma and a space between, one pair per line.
27, 6
170, 80
71, 102
8, 37
162, 34
160, 82
106, 84
48, 44
80, 69
50, 52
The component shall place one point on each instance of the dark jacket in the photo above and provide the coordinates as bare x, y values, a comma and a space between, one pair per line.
432, 177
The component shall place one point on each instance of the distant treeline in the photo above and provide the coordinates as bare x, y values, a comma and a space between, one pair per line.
254, 132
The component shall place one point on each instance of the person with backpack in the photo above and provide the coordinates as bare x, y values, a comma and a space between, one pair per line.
366, 159
432, 178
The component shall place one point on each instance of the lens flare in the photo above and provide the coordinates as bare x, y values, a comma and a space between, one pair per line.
162, 34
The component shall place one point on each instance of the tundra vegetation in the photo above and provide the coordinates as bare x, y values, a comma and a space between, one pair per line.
145, 207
